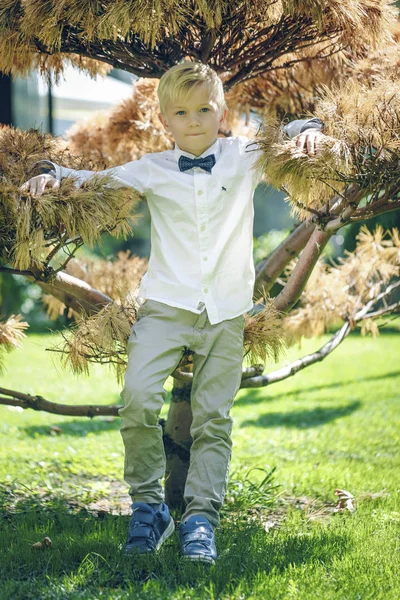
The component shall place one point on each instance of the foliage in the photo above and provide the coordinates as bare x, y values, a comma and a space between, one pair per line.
361, 148
124, 133
34, 229
239, 38
290, 91
116, 278
11, 335
338, 291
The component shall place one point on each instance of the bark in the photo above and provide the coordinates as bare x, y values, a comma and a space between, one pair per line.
40, 403
74, 293
302, 271
341, 209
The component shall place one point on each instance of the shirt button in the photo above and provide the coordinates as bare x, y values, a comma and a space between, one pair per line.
200, 193
205, 257
202, 228
205, 290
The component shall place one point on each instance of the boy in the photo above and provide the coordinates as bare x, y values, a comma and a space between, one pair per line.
197, 288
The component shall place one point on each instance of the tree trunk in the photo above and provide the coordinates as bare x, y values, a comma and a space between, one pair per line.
177, 442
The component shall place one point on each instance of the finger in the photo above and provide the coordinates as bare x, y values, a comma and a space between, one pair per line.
32, 186
311, 144
300, 142
41, 186
54, 184
319, 142
35, 187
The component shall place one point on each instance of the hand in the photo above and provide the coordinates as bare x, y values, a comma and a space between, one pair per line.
309, 141
36, 185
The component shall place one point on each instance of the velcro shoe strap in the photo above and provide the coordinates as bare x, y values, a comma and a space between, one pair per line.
143, 517
195, 537
141, 532
201, 529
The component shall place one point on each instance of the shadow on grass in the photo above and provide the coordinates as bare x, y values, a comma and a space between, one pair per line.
86, 556
79, 427
255, 396
303, 419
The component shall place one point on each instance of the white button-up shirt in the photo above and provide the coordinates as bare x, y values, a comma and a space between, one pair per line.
201, 226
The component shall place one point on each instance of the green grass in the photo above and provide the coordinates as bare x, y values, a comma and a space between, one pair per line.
335, 425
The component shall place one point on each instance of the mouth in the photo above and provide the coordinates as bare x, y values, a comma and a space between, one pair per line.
194, 134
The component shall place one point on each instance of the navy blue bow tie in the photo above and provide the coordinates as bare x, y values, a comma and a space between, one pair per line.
205, 163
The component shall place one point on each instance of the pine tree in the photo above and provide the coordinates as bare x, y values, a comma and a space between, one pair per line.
336, 60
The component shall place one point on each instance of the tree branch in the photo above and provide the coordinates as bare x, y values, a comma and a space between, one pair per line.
337, 338
393, 308
73, 292
11, 271
367, 212
301, 363
40, 403
251, 376
302, 271
89, 410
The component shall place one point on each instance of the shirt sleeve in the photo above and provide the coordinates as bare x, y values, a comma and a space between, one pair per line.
300, 125
135, 174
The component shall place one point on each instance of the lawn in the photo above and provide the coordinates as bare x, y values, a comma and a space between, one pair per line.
334, 425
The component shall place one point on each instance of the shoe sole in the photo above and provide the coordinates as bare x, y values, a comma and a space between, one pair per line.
199, 558
167, 533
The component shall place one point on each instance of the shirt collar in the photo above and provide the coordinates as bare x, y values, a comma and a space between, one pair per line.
214, 149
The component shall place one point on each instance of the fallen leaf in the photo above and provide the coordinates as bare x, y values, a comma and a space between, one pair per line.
46, 543
55, 430
269, 525
345, 501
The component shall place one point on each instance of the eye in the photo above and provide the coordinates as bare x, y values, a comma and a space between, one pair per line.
205, 109
180, 112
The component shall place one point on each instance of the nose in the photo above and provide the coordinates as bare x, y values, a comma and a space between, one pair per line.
194, 121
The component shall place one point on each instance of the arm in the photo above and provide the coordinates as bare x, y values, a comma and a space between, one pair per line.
133, 174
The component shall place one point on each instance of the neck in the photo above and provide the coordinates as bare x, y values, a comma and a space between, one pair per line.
197, 152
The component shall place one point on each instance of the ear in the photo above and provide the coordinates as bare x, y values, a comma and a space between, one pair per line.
223, 116
163, 121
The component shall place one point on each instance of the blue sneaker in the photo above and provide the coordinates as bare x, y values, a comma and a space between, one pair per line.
197, 539
148, 528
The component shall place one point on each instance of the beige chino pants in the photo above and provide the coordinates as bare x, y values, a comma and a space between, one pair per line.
155, 347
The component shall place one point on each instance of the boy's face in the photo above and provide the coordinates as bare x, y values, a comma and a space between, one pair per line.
193, 122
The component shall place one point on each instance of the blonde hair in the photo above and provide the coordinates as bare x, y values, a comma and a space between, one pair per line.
179, 80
